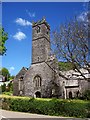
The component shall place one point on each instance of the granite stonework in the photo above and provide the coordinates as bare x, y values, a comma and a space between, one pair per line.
42, 79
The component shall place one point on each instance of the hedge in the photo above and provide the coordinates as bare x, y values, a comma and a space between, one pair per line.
57, 107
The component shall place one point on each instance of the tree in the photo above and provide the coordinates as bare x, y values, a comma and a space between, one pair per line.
3, 38
3, 87
10, 87
71, 44
5, 73
12, 77
65, 66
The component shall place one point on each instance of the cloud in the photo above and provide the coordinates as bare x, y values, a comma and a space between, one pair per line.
23, 22
30, 14
19, 36
11, 69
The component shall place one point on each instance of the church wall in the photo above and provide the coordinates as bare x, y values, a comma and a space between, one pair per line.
84, 85
45, 73
16, 90
38, 51
74, 92
81, 86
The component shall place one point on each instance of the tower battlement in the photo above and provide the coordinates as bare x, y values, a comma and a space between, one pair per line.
39, 22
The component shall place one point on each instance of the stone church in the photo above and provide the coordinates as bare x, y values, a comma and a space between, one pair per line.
42, 79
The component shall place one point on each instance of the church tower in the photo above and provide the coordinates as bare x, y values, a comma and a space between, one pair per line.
37, 80
40, 41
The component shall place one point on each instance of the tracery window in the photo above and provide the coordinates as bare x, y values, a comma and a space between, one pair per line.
37, 81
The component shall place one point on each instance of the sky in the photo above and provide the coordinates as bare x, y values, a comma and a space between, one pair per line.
17, 20
45, 0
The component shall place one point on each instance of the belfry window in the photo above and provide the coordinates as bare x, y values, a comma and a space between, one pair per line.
38, 29
37, 81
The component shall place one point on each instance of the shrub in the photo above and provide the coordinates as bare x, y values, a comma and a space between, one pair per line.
8, 93
86, 95
8, 88
72, 108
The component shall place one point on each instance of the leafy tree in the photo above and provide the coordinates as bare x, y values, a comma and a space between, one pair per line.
65, 66
3, 38
5, 73
12, 77
71, 44
10, 87
3, 87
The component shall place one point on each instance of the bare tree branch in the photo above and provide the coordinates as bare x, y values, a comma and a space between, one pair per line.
71, 44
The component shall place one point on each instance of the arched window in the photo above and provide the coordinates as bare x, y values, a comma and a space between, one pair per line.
37, 81
20, 83
38, 29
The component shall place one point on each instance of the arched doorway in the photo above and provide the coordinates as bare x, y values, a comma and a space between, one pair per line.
38, 94
70, 94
